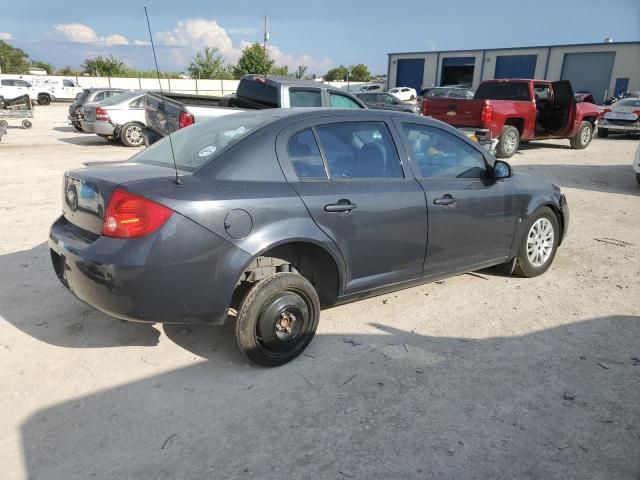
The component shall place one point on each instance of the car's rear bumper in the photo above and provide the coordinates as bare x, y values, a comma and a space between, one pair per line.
181, 273
630, 127
98, 127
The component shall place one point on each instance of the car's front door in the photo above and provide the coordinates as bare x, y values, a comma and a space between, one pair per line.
351, 179
472, 218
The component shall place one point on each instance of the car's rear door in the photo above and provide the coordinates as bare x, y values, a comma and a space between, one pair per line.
351, 179
472, 218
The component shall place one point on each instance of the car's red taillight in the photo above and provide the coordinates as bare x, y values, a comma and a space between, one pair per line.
486, 114
129, 215
101, 114
424, 107
185, 119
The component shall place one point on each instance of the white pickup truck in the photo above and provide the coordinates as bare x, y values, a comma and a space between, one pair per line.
171, 111
41, 89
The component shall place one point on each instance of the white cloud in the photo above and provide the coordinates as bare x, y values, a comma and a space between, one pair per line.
79, 33
198, 33
141, 42
243, 31
5, 36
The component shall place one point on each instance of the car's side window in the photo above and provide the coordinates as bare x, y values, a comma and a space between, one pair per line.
137, 103
440, 154
305, 98
67, 83
305, 155
359, 150
342, 101
100, 96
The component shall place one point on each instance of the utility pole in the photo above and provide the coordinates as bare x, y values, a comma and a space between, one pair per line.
266, 33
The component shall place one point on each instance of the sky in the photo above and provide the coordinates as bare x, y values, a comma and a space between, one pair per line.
318, 34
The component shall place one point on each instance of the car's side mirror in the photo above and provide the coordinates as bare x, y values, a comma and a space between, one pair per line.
501, 170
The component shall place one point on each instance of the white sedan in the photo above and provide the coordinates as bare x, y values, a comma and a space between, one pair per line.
404, 93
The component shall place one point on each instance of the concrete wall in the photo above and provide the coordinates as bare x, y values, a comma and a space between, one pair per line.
550, 60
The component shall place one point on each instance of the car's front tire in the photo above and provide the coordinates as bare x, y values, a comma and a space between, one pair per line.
277, 319
539, 244
583, 138
44, 99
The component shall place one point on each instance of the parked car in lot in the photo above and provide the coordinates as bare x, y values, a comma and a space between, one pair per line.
386, 101
88, 95
621, 117
42, 90
171, 111
293, 210
369, 88
119, 118
403, 93
516, 110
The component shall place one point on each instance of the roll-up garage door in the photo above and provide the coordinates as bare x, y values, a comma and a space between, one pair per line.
515, 66
410, 73
589, 72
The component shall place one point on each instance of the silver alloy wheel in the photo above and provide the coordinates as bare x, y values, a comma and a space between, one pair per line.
540, 242
510, 140
585, 135
134, 134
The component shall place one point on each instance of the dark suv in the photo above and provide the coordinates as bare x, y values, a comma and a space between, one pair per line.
88, 95
288, 210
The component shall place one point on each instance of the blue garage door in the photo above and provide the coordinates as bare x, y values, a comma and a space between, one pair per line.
516, 66
589, 72
410, 72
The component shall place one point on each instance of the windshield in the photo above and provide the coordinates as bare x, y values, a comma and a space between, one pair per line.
120, 98
629, 102
201, 143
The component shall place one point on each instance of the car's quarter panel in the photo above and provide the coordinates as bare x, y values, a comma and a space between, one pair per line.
182, 273
383, 239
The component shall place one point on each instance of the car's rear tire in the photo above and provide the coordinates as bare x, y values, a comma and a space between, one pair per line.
77, 126
539, 244
277, 319
583, 138
131, 135
27, 124
603, 132
44, 99
4, 124
508, 143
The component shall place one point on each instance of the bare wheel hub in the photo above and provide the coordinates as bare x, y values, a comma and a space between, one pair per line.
285, 324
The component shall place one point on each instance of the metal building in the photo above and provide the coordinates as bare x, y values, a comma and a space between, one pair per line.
603, 69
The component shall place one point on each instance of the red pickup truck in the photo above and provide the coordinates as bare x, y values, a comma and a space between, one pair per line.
516, 110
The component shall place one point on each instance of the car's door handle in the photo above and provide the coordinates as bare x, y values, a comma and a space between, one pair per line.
445, 200
343, 205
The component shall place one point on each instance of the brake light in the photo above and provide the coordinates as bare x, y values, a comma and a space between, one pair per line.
424, 108
637, 112
130, 215
101, 114
486, 114
185, 119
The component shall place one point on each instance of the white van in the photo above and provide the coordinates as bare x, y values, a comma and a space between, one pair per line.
41, 89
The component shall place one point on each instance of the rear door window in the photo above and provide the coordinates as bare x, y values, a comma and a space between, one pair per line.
342, 101
305, 98
359, 150
305, 156
259, 92
441, 155
516, 91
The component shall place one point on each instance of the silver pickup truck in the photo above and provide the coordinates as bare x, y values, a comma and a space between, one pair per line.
169, 112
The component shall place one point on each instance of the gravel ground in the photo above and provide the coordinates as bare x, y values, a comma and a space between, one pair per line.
479, 376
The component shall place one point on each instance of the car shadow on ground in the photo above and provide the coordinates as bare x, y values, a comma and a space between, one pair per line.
86, 140
67, 129
556, 403
54, 315
600, 178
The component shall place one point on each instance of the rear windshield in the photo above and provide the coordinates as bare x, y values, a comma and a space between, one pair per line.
262, 93
629, 102
503, 91
201, 143
119, 98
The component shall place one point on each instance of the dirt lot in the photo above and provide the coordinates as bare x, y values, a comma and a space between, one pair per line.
479, 376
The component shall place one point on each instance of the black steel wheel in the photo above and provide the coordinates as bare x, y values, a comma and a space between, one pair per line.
277, 319
44, 99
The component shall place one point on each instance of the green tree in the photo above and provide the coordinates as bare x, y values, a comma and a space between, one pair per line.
208, 64
360, 73
302, 69
104, 66
44, 65
67, 71
282, 71
13, 60
337, 74
254, 59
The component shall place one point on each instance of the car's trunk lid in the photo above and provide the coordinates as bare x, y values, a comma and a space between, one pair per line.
86, 191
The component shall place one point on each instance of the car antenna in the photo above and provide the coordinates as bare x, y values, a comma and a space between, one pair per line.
164, 107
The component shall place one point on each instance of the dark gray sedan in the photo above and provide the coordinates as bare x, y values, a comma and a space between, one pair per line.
294, 210
386, 101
